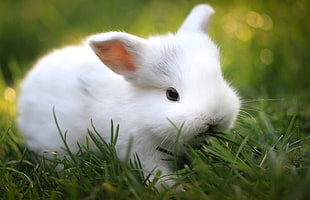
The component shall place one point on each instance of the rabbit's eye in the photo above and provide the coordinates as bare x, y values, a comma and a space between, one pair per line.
172, 94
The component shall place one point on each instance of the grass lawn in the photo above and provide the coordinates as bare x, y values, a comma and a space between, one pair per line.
265, 54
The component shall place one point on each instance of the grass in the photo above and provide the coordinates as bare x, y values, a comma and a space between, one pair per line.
266, 156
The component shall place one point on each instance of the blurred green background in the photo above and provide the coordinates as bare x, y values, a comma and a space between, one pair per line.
265, 45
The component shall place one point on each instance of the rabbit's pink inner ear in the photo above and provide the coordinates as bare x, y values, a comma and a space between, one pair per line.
115, 56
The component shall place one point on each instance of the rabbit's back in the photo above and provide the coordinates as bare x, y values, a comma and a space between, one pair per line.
60, 81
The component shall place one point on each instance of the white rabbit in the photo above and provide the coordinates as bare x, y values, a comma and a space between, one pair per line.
141, 84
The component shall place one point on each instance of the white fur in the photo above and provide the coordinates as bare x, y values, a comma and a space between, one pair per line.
198, 19
81, 88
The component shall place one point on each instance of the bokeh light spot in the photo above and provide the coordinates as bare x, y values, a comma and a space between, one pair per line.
244, 34
229, 24
257, 20
268, 24
9, 94
266, 56
254, 19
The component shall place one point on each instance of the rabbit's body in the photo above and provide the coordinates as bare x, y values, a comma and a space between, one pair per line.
142, 85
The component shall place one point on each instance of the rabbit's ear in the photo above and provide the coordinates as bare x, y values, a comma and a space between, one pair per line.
198, 20
119, 51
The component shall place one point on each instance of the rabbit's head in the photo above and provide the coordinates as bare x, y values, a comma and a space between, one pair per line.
174, 76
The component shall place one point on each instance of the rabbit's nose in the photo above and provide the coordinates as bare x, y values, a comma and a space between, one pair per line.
213, 123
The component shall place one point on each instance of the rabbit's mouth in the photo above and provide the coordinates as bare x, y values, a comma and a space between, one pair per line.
215, 125
211, 128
